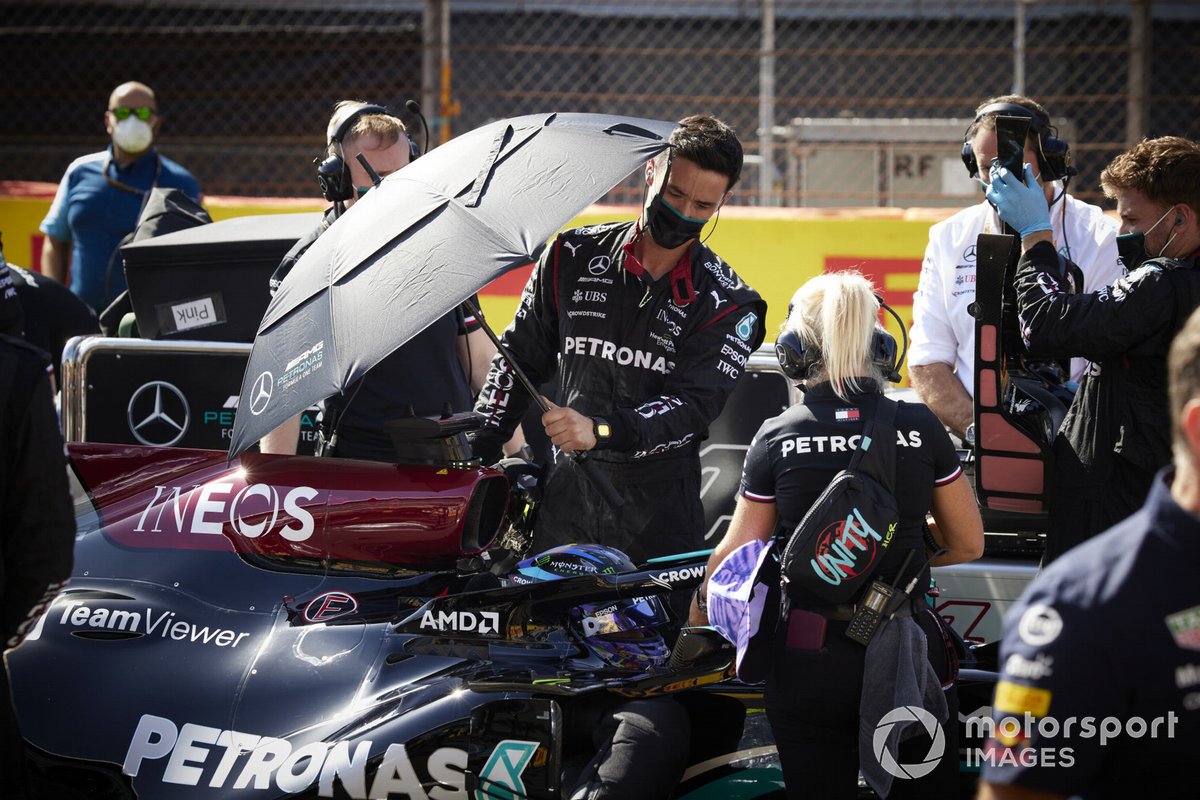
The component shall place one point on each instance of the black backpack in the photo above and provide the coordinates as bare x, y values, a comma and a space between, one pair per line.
845, 534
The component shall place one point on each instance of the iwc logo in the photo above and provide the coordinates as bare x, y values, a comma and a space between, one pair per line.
158, 414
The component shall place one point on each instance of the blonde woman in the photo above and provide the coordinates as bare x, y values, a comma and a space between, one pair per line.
833, 345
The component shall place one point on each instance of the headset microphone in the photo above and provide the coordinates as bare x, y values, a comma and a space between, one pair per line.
371, 173
333, 174
415, 108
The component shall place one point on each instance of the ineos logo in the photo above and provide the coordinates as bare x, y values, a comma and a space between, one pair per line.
260, 393
158, 414
599, 265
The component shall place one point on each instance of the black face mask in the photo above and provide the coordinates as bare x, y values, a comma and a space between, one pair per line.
1131, 250
668, 228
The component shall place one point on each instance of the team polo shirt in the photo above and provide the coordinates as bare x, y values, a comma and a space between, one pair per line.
94, 215
794, 456
1106, 637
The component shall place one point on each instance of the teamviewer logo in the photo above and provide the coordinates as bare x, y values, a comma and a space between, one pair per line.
902, 716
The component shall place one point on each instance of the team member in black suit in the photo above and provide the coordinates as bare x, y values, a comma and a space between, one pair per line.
443, 365
648, 331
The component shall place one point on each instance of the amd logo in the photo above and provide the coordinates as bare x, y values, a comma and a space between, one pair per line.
481, 622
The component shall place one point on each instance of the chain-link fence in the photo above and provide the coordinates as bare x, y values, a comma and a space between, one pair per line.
246, 87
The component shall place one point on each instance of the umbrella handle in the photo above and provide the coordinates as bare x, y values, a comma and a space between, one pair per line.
598, 478
603, 485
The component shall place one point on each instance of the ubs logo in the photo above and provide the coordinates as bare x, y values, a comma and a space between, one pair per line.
158, 414
260, 393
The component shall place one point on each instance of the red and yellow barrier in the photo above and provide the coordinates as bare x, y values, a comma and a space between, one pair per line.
774, 250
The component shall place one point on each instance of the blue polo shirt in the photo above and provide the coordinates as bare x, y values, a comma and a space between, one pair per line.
94, 215
1108, 639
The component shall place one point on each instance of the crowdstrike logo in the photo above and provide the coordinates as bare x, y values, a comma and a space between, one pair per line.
905, 715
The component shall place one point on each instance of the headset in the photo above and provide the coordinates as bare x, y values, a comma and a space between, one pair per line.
333, 174
797, 357
1054, 155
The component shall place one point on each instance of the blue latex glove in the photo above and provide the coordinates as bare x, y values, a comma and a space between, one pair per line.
1021, 205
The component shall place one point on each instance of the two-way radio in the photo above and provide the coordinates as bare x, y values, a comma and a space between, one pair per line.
882, 600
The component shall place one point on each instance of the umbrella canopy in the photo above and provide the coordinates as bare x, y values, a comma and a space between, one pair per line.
423, 241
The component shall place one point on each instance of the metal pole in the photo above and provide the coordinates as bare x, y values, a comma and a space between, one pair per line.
449, 108
1137, 105
1019, 49
766, 106
431, 29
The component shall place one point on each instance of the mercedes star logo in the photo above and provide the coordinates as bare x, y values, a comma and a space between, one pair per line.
158, 414
260, 394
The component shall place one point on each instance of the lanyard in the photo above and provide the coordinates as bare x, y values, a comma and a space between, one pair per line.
125, 186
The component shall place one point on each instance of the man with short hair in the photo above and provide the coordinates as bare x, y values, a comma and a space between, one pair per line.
100, 198
443, 365
649, 331
941, 357
1115, 435
1102, 651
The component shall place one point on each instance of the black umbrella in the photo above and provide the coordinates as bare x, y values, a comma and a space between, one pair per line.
421, 243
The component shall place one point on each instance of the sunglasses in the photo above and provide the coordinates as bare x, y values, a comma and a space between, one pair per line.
143, 113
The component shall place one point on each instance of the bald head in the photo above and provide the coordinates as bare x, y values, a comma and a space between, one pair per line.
132, 94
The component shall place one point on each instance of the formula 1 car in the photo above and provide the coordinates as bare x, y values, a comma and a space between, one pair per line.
288, 626
293, 626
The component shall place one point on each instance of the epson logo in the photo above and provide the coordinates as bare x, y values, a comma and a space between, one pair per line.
481, 622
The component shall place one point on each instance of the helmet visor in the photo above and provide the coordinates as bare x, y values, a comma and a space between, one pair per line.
624, 618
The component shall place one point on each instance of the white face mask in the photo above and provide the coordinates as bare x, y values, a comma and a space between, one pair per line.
132, 135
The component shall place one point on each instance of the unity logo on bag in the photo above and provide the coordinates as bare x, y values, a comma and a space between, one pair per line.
849, 548
845, 534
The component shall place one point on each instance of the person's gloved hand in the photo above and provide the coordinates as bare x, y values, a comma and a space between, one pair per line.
1021, 205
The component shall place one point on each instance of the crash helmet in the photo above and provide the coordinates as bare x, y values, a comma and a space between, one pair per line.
624, 633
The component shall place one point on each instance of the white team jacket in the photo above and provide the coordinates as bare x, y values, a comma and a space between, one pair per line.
943, 331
